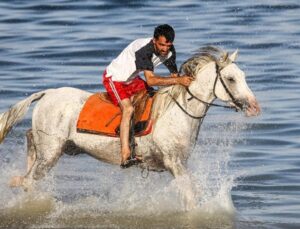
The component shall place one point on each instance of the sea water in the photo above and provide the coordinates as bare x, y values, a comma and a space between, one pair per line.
243, 171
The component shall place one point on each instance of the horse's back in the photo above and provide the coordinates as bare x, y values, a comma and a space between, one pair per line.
68, 92
59, 106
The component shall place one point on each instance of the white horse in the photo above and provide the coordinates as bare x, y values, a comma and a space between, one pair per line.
177, 114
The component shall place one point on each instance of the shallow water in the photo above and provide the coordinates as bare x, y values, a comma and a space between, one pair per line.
244, 171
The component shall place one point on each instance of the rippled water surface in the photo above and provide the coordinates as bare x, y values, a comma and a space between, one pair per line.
245, 171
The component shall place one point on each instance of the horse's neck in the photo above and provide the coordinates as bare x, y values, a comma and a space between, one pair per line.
203, 86
203, 89
168, 112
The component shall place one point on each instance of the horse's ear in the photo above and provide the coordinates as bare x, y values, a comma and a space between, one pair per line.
234, 55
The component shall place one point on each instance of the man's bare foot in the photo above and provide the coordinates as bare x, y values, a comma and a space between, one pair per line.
125, 155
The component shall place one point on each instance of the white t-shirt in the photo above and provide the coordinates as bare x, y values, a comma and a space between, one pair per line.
138, 56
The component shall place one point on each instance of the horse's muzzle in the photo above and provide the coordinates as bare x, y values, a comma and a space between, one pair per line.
253, 108
250, 106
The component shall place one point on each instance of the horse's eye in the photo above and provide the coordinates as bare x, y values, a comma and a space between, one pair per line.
230, 79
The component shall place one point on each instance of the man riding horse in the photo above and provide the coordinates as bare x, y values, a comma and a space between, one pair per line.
121, 79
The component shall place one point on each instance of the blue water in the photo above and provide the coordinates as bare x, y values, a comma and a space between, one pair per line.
69, 43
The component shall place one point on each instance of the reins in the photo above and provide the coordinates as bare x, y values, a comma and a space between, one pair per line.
207, 103
184, 111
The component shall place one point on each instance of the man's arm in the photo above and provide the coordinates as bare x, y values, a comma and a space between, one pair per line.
155, 80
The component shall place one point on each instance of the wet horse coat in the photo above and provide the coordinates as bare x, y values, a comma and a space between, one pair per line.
174, 132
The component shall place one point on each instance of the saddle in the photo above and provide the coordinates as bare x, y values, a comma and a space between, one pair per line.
100, 116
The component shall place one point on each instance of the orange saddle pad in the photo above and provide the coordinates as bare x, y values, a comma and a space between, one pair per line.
100, 116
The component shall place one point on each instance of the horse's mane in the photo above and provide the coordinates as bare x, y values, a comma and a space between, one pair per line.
190, 67
202, 57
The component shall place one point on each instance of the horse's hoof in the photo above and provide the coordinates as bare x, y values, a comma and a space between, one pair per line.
16, 181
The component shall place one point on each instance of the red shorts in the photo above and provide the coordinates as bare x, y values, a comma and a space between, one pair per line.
122, 90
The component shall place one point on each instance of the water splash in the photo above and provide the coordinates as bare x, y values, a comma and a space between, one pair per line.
209, 163
74, 195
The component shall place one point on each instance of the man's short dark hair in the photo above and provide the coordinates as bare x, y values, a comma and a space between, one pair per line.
164, 30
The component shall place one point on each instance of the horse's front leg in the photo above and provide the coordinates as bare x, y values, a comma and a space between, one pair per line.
174, 165
183, 181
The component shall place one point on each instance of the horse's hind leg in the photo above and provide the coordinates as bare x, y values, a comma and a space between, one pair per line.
31, 157
44, 154
31, 151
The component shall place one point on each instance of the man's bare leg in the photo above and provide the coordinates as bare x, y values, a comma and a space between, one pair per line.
127, 112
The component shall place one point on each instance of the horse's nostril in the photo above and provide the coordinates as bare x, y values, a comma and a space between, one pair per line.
245, 105
242, 105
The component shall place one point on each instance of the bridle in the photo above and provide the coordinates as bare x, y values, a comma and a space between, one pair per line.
218, 76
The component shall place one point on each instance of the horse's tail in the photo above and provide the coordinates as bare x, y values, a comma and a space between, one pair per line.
16, 113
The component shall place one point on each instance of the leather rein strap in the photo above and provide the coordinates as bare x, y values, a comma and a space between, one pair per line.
188, 114
206, 103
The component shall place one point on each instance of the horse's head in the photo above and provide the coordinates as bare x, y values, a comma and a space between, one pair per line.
231, 86
228, 84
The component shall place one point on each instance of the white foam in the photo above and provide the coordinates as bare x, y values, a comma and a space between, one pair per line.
102, 190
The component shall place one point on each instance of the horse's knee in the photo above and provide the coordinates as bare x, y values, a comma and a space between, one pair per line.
175, 167
177, 171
